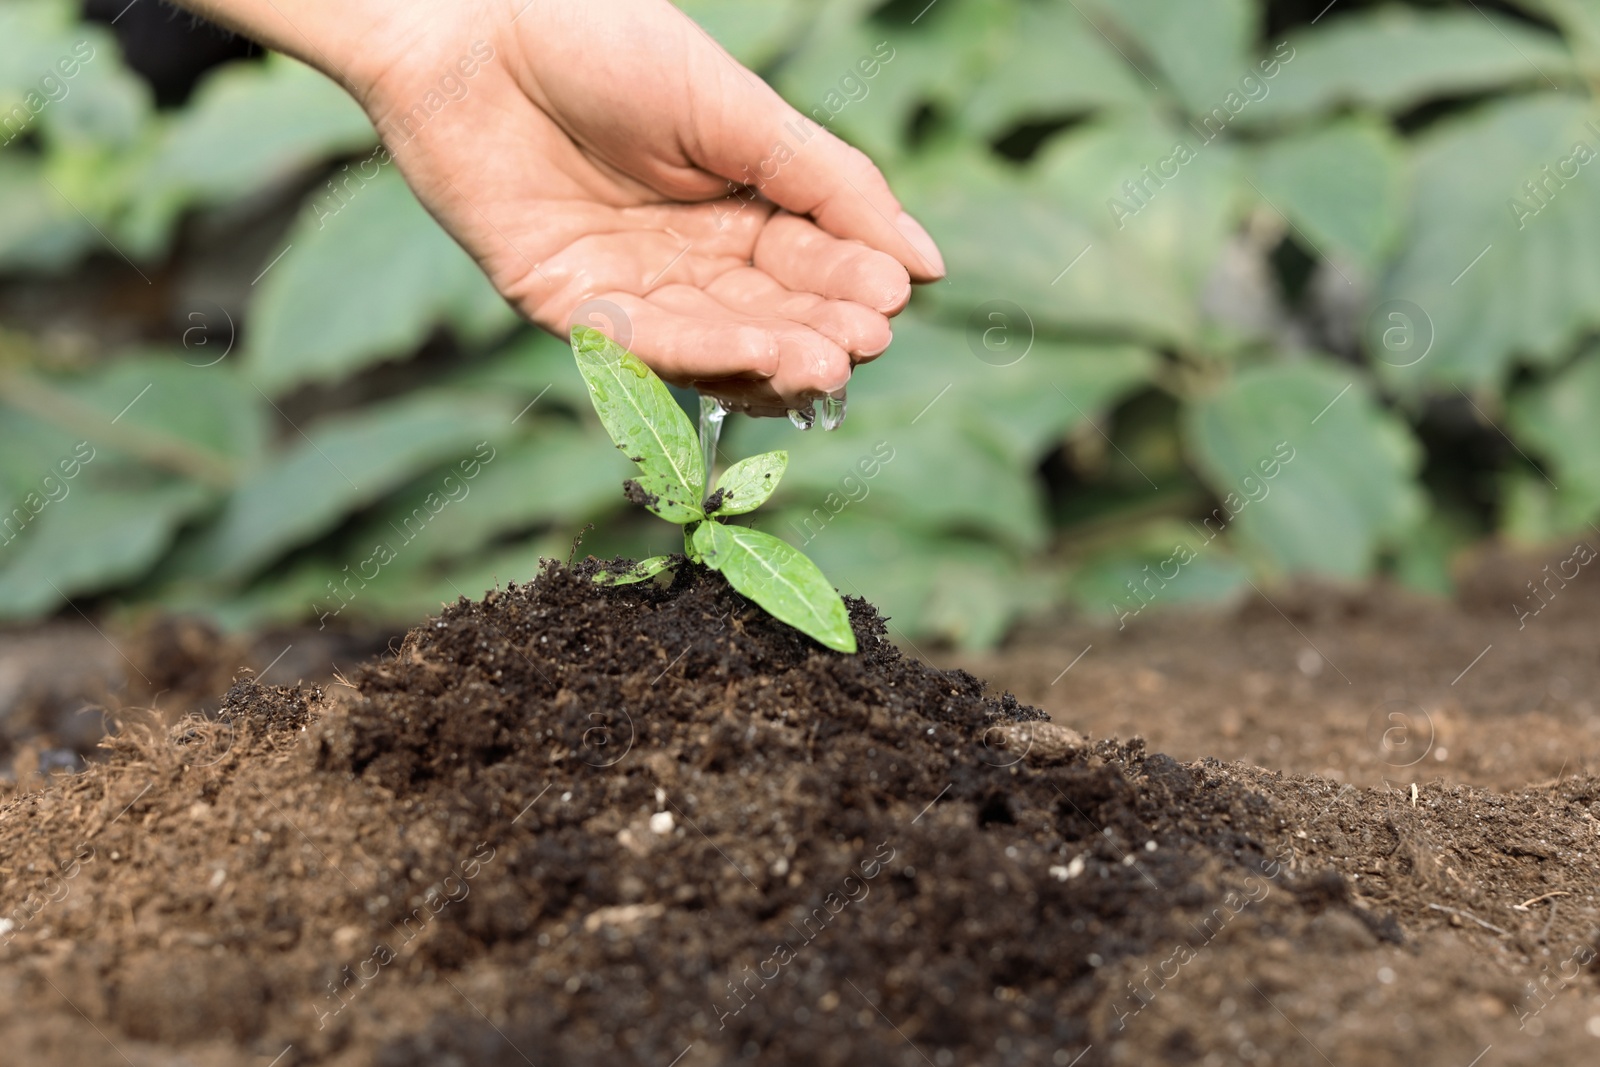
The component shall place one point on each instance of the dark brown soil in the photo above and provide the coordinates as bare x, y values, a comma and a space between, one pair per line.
647, 825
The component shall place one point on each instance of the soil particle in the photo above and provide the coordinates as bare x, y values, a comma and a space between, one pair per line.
638, 494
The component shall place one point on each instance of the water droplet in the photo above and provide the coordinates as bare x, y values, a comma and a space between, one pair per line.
633, 363
712, 412
833, 411
803, 418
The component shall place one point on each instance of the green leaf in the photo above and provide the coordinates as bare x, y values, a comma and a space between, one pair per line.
91, 540
140, 411
959, 589
39, 231
1201, 46
339, 466
1073, 240
1306, 466
865, 81
101, 102
1162, 566
645, 422
533, 363
1086, 74
249, 126
1500, 273
1580, 23
747, 484
555, 476
359, 285
174, 394
1396, 57
780, 578
1556, 419
1343, 185
754, 34
1533, 513
1424, 558
643, 570
931, 415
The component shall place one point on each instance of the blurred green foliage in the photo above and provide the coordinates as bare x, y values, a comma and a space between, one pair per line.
1181, 244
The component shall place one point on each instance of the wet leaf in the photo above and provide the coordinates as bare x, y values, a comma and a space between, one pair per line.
780, 578
646, 423
643, 570
747, 484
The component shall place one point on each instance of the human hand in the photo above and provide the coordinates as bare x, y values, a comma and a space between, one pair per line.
588, 166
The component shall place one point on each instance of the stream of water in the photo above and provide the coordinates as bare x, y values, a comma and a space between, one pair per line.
713, 413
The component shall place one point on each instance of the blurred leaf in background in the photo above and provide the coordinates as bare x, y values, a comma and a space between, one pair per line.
1188, 245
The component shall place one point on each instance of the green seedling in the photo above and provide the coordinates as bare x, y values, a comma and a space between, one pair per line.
651, 430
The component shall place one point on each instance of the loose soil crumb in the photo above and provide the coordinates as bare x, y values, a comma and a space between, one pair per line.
651, 825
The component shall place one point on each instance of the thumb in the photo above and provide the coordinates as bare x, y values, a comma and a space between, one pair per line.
753, 137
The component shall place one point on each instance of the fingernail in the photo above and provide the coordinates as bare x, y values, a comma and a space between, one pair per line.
921, 243
880, 350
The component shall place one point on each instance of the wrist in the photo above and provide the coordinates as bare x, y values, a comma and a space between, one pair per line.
351, 41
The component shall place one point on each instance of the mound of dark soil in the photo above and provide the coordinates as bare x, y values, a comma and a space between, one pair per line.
651, 825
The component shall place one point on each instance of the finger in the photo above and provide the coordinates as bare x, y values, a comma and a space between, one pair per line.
686, 340
756, 399
842, 189
689, 300
809, 364
859, 330
804, 258
753, 137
